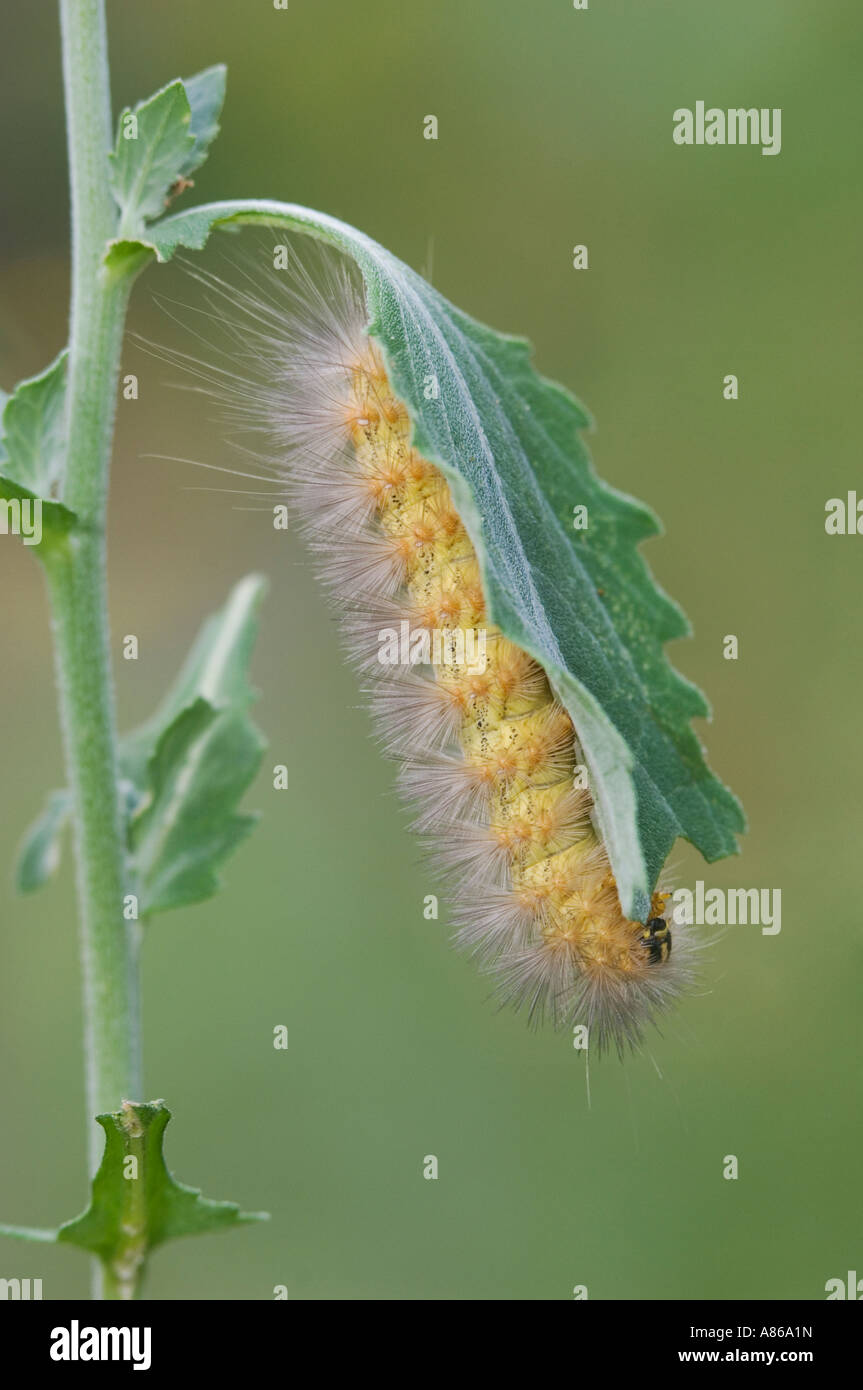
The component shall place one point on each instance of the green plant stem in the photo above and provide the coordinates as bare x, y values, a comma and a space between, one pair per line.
78, 591
76, 583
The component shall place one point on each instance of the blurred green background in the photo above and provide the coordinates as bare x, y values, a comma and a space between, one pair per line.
555, 129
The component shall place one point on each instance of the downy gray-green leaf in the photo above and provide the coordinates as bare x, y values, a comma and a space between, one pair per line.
162, 140
32, 431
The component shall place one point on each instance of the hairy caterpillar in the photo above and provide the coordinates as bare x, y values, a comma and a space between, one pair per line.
488, 753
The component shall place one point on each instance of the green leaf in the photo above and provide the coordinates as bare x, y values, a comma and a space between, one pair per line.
33, 436
136, 1205
202, 766
154, 142
41, 523
127, 258
582, 603
39, 855
182, 773
161, 142
205, 93
192, 762
32, 444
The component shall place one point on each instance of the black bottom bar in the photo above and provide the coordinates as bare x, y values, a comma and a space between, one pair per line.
68, 1339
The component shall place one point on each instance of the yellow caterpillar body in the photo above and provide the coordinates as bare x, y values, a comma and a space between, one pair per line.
489, 754
517, 744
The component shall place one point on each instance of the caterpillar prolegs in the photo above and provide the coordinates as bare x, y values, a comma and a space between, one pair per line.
489, 757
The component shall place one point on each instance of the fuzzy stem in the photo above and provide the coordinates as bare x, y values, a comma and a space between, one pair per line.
78, 590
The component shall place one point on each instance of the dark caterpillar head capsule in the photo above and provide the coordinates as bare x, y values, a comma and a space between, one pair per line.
656, 939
